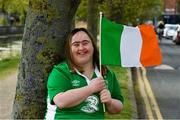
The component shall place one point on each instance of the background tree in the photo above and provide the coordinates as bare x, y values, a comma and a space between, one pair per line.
3, 4
139, 11
81, 14
113, 9
18, 7
92, 17
132, 11
47, 24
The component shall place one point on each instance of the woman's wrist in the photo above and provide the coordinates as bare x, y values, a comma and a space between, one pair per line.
108, 104
90, 89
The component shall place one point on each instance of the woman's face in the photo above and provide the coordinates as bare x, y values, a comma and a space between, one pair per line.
81, 49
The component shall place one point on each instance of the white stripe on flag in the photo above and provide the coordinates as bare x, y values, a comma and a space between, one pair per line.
130, 47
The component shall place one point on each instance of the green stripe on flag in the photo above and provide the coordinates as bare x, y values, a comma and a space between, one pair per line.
110, 42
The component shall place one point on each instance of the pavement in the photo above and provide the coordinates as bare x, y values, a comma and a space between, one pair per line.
7, 93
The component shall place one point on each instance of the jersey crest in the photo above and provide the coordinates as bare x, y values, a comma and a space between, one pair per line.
92, 104
75, 83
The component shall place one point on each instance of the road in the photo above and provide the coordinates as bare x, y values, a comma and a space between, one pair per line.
165, 80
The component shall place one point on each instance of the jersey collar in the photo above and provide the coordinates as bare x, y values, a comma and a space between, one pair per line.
87, 79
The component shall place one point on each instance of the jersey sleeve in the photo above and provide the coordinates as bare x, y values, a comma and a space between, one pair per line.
58, 82
116, 91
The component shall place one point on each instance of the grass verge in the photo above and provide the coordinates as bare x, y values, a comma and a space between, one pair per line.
9, 66
121, 74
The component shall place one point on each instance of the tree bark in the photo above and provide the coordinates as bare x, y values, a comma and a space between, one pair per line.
46, 28
92, 17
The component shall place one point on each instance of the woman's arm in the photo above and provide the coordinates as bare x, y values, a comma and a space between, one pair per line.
113, 106
74, 97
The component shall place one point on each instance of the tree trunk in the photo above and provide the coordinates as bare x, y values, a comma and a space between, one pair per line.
92, 17
47, 25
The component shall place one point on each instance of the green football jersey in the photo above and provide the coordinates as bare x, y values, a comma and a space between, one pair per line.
62, 79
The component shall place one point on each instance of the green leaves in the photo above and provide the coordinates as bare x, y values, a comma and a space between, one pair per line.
133, 11
15, 6
125, 11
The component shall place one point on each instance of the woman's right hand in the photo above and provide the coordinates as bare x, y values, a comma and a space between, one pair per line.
97, 84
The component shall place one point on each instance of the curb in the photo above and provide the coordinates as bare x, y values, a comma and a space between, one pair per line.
146, 104
132, 94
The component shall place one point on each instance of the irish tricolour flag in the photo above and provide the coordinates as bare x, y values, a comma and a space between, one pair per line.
128, 46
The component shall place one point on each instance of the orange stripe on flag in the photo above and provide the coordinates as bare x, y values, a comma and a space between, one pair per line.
150, 54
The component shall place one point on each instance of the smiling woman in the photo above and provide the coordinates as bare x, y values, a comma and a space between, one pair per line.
76, 89
81, 49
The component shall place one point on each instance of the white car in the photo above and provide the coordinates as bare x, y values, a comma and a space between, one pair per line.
170, 31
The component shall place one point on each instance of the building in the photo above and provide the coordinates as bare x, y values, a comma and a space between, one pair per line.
171, 11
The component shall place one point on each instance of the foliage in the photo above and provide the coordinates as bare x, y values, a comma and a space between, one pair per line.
125, 11
3, 21
132, 11
15, 7
113, 9
150, 9
81, 13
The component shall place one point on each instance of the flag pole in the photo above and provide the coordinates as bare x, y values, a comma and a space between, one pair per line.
100, 65
100, 42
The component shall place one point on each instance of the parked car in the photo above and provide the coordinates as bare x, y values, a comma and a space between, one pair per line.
177, 39
171, 30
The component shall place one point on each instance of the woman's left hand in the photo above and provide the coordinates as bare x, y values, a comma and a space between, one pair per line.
105, 96
113, 106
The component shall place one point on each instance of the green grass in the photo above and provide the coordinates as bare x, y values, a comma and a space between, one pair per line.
8, 66
121, 74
